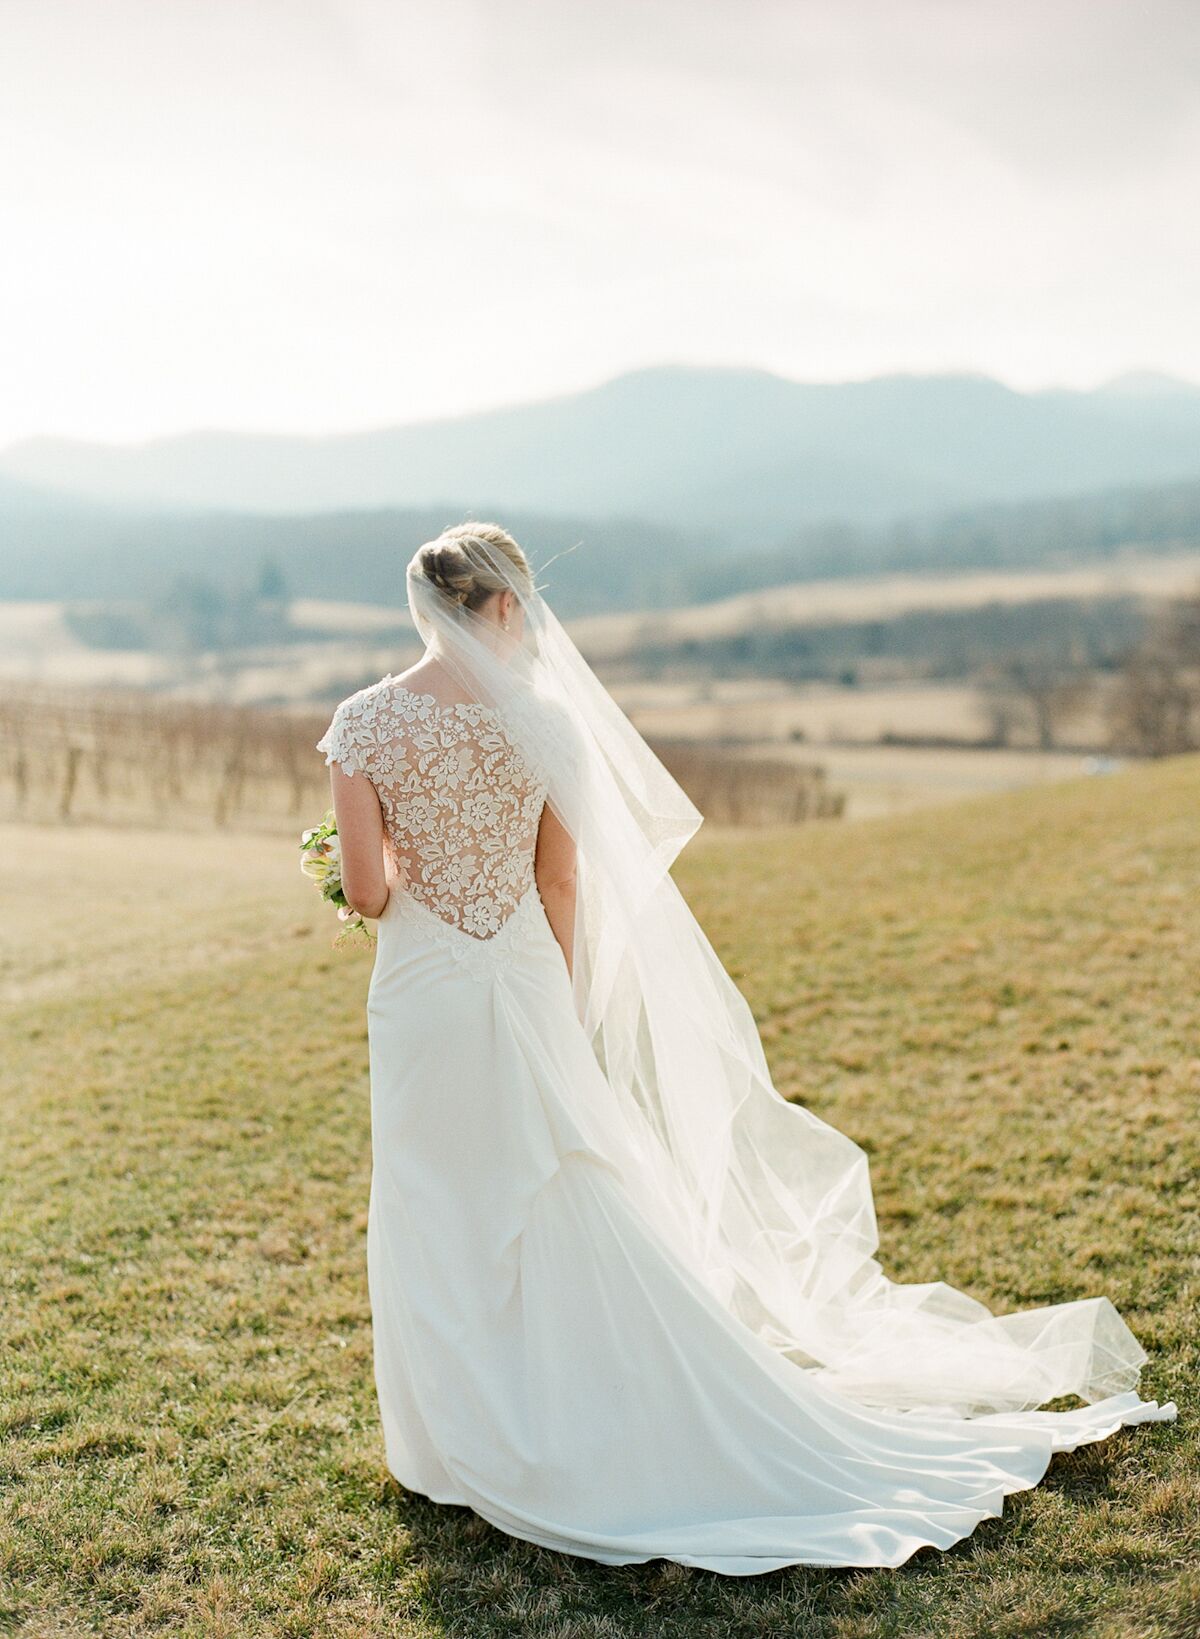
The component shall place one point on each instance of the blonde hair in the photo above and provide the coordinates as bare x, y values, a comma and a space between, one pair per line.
465, 577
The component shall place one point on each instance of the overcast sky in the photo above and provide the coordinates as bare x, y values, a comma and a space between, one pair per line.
317, 215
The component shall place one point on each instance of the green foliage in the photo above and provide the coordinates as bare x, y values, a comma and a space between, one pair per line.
272, 582
192, 613
997, 999
621, 562
321, 862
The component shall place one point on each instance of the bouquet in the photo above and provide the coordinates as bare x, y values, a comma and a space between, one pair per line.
321, 862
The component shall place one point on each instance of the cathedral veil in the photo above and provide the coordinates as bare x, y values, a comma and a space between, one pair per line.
768, 1205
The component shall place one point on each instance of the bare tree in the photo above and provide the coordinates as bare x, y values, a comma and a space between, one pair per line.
1155, 707
1038, 691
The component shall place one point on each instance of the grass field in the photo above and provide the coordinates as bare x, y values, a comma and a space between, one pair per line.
997, 998
882, 597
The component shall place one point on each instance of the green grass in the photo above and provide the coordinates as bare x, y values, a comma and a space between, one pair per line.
997, 999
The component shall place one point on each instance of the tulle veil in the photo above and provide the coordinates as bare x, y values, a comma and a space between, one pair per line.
768, 1205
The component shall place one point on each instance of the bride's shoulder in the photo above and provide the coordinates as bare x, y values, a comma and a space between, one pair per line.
351, 734
382, 689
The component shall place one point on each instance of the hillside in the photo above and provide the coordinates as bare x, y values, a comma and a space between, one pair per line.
715, 449
846, 601
997, 999
58, 547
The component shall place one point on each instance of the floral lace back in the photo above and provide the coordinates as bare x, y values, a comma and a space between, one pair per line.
461, 805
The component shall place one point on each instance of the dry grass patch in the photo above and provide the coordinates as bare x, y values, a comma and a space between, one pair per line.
997, 998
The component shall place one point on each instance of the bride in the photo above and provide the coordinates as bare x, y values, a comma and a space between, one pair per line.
624, 1296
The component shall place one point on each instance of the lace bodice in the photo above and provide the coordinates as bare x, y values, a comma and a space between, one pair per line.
461, 805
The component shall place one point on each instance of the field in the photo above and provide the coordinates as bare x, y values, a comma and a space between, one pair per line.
996, 997
606, 638
126, 758
898, 735
845, 731
333, 639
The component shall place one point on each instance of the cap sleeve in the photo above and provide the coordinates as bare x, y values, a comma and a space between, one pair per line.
350, 736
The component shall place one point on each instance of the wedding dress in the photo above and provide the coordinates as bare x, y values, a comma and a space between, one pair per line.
623, 1295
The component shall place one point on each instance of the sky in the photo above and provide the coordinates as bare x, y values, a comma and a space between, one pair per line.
324, 215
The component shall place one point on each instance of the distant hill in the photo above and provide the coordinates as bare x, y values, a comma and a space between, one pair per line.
59, 548
73, 551
732, 452
1052, 533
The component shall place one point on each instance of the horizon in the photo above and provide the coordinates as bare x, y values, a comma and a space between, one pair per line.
1170, 381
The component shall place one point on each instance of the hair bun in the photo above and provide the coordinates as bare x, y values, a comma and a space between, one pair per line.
447, 568
462, 564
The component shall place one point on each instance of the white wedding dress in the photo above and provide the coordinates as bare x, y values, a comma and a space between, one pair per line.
548, 1349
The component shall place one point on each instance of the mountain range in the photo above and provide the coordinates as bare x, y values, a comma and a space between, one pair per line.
730, 454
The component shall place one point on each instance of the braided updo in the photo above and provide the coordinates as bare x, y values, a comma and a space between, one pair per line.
462, 569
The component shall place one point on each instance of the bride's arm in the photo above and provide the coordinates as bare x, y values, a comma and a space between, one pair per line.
554, 872
360, 829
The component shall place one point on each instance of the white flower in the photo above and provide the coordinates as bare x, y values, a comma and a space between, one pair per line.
418, 813
460, 872
451, 769
481, 917
480, 810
